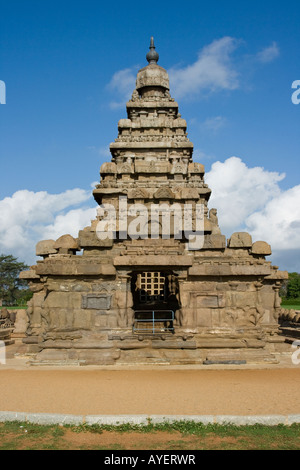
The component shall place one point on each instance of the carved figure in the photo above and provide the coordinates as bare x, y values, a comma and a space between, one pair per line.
214, 221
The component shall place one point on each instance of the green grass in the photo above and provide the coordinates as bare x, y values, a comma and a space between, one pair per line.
290, 303
292, 306
19, 307
180, 435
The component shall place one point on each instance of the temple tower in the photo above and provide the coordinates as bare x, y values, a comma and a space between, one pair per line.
165, 286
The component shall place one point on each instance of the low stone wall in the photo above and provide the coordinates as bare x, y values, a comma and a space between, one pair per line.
14, 321
290, 315
290, 325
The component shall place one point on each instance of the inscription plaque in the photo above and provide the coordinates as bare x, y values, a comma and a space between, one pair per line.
96, 301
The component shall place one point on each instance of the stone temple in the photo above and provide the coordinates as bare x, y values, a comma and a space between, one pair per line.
152, 299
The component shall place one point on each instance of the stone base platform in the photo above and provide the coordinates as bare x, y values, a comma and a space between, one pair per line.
5, 336
129, 349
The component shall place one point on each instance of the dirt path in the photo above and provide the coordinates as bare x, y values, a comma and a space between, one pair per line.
162, 392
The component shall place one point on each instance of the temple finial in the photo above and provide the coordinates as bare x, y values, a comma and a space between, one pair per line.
152, 56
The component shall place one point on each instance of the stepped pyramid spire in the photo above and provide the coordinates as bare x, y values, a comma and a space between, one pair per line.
152, 151
143, 299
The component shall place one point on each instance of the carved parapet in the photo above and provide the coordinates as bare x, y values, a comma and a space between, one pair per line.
165, 143
138, 193
278, 275
153, 260
164, 193
240, 240
205, 192
108, 168
196, 168
101, 192
152, 167
179, 123
229, 270
109, 191
89, 239
45, 248
29, 275
212, 241
125, 168
189, 193
66, 245
179, 168
163, 105
69, 267
261, 248
124, 124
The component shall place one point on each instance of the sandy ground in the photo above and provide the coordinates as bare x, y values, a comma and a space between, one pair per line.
177, 391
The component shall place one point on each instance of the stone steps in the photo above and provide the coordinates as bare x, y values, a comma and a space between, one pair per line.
175, 349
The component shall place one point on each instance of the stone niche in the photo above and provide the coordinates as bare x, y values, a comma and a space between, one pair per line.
96, 302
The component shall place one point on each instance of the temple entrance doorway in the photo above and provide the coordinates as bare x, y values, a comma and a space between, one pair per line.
155, 298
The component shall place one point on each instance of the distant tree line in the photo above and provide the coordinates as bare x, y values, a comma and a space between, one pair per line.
291, 288
13, 291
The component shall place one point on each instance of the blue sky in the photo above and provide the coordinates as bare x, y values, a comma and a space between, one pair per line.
69, 68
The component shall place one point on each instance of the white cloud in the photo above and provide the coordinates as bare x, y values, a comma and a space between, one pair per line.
268, 54
70, 223
279, 220
210, 124
122, 84
238, 191
215, 123
251, 199
213, 70
27, 217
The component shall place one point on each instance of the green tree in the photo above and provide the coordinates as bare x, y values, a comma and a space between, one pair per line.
293, 286
11, 287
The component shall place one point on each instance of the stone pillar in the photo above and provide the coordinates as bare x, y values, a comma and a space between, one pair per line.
21, 324
277, 301
186, 314
260, 311
124, 301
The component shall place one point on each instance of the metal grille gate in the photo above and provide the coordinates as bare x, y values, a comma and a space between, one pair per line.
153, 321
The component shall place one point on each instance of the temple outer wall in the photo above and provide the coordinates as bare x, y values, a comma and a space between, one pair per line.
88, 319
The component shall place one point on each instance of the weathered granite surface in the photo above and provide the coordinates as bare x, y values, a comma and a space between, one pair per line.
225, 295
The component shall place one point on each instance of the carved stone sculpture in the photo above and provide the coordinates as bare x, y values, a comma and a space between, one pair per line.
116, 299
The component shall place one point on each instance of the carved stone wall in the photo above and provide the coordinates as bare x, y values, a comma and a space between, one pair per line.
227, 301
